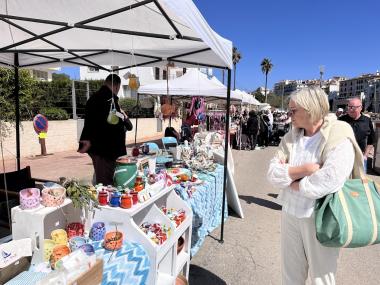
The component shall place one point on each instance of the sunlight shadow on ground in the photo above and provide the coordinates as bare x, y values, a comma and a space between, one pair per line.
201, 276
260, 202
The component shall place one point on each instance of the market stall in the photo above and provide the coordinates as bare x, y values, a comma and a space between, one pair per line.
127, 34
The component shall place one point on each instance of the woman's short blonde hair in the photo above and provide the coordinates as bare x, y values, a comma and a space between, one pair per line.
314, 100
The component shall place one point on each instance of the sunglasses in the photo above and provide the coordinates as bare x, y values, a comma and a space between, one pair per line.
353, 107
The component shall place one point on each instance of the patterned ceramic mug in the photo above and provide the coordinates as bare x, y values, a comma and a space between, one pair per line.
59, 236
77, 242
88, 249
74, 229
59, 251
29, 198
97, 232
48, 248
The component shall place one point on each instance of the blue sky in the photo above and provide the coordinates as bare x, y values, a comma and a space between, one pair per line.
298, 36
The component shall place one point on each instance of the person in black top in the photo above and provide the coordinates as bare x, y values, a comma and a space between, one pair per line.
103, 137
252, 129
361, 125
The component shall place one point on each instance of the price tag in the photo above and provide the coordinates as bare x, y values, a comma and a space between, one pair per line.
42, 135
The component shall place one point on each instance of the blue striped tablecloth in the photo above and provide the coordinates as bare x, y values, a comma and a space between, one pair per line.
127, 266
206, 204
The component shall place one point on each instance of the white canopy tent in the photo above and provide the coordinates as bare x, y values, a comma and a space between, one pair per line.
247, 98
123, 33
192, 83
96, 32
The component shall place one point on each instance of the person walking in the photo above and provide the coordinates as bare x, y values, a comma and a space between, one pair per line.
252, 129
105, 125
313, 160
361, 125
263, 130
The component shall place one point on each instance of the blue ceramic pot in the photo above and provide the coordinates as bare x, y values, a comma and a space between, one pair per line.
97, 232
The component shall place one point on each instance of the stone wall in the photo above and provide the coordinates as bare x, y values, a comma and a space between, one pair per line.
64, 136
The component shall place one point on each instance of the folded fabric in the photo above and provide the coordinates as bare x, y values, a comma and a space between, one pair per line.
26, 278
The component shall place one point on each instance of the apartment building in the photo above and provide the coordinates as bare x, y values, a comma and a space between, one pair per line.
285, 87
365, 86
146, 75
43, 74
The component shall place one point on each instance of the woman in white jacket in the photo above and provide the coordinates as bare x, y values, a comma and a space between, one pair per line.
314, 159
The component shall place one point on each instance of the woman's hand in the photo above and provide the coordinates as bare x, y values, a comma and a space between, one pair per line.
310, 168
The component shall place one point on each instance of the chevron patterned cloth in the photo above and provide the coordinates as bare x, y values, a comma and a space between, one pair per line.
128, 265
206, 204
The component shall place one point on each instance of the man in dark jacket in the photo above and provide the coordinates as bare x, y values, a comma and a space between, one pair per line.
104, 139
252, 129
361, 125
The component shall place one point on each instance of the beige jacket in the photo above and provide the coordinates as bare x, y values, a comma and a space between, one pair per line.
333, 132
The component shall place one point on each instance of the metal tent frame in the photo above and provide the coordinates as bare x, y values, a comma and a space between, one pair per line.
76, 57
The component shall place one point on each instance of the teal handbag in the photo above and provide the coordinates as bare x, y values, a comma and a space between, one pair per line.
349, 217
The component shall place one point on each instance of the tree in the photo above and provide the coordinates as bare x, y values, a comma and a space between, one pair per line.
266, 67
236, 57
258, 95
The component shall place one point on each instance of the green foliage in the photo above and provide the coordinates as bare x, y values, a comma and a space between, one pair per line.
82, 195
60, 77
129, 105
28, 94
258, 95
278, 101
53, 113
266, 66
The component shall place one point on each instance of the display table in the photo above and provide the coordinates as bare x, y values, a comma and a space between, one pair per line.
206, 203
128, 265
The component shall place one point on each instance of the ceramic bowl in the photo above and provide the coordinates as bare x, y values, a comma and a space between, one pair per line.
76, 242
113, 240
59, 236
53, 197
88, 249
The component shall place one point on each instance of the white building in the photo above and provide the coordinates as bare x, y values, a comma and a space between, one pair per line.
365, 86
43, 74
146, 75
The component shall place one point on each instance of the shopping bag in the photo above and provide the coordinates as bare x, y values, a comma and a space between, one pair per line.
349, 217
112, 118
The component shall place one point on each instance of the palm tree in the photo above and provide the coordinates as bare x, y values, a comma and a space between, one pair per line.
266, 67
236, 57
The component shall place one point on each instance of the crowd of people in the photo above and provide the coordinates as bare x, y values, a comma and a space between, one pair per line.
260, 128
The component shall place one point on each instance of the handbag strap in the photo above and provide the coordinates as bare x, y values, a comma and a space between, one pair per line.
372, 210
347, 215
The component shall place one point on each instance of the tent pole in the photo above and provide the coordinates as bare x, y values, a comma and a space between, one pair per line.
137, 115
226, 142
17, 111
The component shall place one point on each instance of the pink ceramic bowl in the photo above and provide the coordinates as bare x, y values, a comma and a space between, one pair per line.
53, 197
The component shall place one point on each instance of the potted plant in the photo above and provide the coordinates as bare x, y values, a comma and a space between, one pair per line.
82, 195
